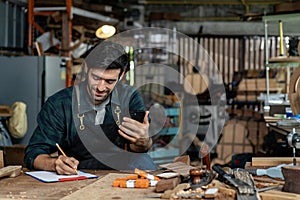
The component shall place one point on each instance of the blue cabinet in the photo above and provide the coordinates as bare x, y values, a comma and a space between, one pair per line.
165, 143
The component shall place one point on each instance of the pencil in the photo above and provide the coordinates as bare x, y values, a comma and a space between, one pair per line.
63, 153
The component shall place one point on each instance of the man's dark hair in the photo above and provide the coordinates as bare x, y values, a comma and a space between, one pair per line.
108, 55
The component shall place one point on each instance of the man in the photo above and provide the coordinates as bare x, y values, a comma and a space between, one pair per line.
90, 120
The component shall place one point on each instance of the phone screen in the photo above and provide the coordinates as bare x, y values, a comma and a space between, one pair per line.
138, 115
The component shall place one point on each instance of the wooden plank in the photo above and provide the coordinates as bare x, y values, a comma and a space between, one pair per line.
179, 167
287, 7
275, 195
5, 111
102, 189
10, 171
167, 184
1, 159
272, 161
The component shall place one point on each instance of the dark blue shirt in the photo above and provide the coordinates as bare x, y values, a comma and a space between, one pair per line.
58, 123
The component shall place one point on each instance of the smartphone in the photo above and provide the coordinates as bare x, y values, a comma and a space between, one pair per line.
138, 115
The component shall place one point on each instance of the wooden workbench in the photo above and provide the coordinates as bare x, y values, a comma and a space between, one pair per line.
26, 187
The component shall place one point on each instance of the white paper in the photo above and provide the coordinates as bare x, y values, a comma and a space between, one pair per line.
46, 176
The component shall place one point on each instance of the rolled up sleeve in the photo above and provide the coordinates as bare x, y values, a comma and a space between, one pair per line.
50, 129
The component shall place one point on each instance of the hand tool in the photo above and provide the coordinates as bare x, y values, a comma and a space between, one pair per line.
245, 190
239, 185
273, 172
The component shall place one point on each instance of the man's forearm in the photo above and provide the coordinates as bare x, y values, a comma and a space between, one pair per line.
44, 162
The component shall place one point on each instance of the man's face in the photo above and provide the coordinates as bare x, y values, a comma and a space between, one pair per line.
101, 82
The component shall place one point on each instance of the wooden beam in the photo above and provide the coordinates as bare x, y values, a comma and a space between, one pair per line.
30, 25
66, 40
272, 161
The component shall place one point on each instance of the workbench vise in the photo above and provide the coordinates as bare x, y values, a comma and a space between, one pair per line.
293, 141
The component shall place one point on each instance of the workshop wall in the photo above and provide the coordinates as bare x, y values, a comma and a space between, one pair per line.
13, 31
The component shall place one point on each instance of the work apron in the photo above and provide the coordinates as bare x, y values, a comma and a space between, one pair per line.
101, 146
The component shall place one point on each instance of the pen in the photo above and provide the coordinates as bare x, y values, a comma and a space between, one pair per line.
63, 153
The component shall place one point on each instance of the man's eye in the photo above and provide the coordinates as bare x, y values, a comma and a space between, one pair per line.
110, 81
96, 78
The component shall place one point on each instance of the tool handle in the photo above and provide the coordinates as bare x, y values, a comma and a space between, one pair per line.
226, 176
219, 170
252, 171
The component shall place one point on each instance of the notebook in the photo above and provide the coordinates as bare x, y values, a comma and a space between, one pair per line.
48, 177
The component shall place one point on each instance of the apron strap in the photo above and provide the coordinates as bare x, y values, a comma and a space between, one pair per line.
79, 116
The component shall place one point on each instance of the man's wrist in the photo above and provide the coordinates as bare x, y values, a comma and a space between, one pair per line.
141, 148
45, 162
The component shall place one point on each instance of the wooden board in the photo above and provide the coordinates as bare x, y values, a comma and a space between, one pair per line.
285, 59
179, 167
287, 7
276, 195
102, 189
5, 111
272, 161
1, 159
10, 171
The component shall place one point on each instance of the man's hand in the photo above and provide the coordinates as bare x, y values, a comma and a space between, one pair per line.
137, 133
61, 164
66, 165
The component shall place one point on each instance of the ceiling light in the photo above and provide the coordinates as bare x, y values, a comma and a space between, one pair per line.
105, 31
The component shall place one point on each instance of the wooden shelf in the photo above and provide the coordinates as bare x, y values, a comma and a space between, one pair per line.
5, 111
285, 59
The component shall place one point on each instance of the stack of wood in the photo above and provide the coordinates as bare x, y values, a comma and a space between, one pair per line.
250, 89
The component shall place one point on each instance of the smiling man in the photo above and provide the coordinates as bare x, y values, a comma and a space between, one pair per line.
91, 122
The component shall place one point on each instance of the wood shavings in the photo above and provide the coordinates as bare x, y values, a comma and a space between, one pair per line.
168, 193
188, 194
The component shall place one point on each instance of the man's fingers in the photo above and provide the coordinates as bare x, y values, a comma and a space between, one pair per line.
126, 136
141, 141
66, 165
131, 129
134, 131
134, 126
146, 119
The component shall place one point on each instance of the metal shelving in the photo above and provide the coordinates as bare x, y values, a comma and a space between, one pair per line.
281, 61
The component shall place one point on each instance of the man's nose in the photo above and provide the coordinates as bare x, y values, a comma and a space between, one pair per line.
101, 85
